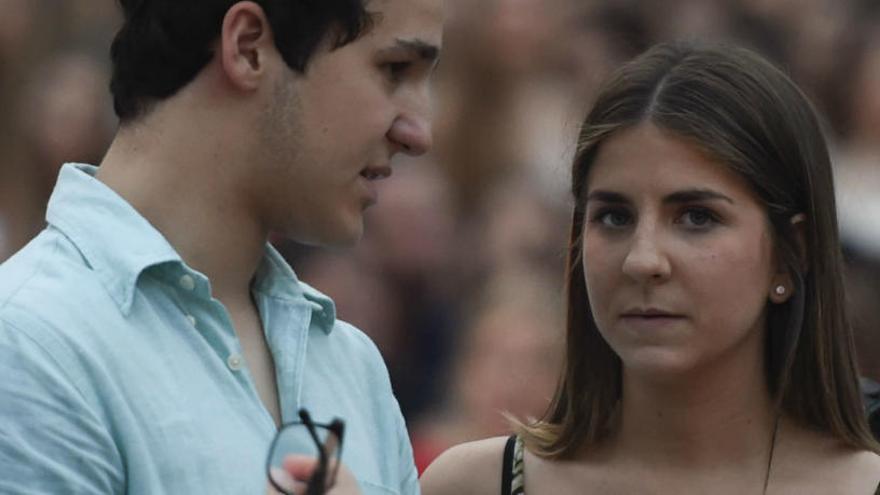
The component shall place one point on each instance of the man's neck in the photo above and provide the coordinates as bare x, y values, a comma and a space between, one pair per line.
176, 179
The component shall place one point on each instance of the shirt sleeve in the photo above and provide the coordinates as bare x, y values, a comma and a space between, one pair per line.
51, 440
409, 476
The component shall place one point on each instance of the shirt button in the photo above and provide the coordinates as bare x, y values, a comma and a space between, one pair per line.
187, 283
234, 362
191, 319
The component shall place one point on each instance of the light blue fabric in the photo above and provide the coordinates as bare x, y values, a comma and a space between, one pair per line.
115, 372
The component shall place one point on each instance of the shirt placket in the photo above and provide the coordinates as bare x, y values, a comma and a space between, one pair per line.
210, 318
287, 327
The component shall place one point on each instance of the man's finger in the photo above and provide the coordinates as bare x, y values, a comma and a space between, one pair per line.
299, 467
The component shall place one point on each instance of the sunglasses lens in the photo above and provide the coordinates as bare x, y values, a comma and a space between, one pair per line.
295, 459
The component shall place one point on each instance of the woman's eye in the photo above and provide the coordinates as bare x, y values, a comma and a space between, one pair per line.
613, 218
698, 218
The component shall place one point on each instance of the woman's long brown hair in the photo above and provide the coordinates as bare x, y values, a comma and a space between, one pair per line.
748, 115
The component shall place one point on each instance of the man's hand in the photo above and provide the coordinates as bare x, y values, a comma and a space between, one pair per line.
298, 469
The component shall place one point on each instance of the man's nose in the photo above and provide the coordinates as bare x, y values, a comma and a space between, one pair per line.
411, 133
646, 260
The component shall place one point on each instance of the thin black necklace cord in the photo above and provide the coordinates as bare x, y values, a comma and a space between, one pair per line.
770, 457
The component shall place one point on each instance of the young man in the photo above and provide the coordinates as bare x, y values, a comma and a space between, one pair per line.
150, 340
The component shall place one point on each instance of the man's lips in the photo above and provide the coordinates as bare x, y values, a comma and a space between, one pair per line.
371, 174
376, 172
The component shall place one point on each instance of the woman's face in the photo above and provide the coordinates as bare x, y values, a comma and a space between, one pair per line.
677, 256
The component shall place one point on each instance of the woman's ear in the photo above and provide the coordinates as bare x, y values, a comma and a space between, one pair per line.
781, 289
799, 228
782, 286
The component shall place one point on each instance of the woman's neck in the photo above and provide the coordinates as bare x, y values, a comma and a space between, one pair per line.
718, 414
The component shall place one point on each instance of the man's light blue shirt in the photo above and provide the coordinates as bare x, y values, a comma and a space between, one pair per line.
119, 373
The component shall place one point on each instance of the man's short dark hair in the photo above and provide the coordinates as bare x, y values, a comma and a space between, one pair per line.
164, 44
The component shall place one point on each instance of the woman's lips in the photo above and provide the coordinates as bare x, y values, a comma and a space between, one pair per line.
650, 321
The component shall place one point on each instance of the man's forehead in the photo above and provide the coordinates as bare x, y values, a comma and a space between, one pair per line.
432, 8
409, 19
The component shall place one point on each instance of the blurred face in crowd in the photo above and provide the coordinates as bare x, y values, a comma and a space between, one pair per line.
15, 25
329, 134
865, 98
677, 256
510, 364
65, 117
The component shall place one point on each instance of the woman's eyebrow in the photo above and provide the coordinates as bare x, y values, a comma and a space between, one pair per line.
696, 195
607, 197
678, 197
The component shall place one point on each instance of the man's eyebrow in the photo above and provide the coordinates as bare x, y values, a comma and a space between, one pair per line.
424, 50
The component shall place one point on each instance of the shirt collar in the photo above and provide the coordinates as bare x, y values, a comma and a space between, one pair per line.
277, 279
115, 240
118, 243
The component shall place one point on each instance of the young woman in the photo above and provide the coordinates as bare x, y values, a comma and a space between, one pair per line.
707, 347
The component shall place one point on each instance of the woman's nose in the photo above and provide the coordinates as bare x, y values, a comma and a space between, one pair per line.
646, 260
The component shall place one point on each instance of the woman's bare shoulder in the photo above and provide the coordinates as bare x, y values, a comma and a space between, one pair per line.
820, 461
865, 466
851, 471
472, 468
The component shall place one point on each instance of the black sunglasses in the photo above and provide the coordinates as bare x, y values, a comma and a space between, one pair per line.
313, 441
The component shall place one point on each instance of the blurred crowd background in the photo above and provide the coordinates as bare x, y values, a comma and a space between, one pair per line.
459, 277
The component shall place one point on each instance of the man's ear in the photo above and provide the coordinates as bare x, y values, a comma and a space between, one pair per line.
245, 41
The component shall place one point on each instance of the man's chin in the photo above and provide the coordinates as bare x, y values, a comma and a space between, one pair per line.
341, 238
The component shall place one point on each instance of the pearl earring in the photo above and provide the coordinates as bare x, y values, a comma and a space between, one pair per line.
780, 290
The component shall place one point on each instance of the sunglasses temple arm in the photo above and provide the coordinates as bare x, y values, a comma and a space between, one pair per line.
316, 481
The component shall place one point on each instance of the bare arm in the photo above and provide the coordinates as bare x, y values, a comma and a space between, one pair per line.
472, 468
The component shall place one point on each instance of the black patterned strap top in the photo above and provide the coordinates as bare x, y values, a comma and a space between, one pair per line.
512, 472
512, 480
